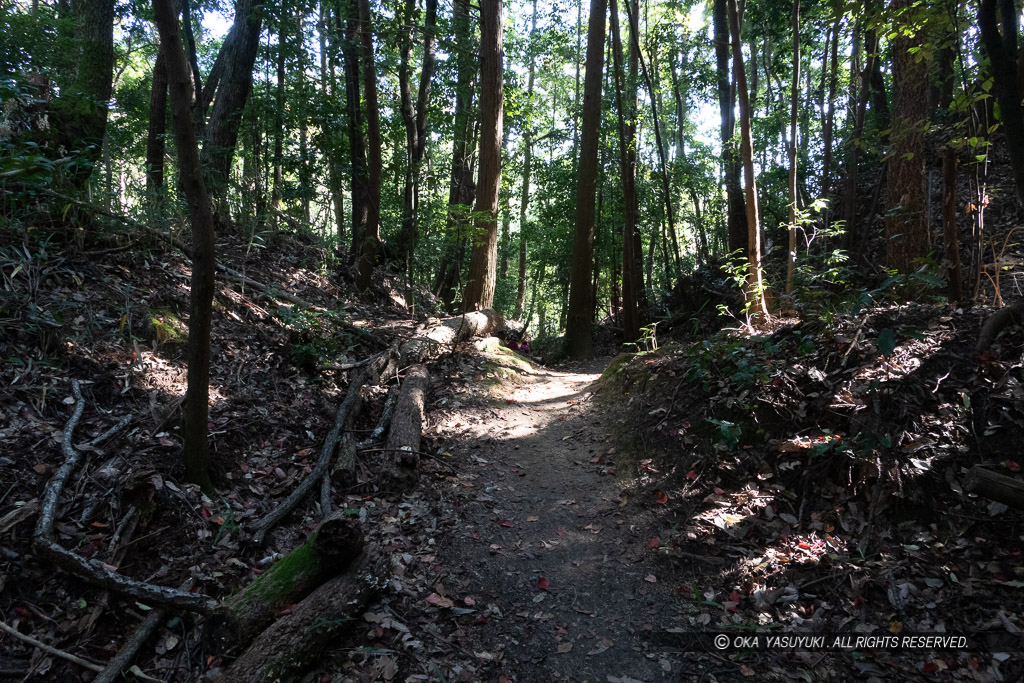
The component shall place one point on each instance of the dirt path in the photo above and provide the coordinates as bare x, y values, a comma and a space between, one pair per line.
541, 547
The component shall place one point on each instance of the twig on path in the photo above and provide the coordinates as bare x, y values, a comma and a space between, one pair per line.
49, 649
130, 648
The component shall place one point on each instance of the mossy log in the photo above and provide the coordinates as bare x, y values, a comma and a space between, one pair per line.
292, 644
326, 553
406, 431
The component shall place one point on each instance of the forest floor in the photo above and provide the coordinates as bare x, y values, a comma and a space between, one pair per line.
594, 522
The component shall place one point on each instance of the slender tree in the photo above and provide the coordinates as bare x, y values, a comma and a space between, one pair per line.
755, 280
359, 175
736, 219
627, 160
794, 113
195, 410
579, 339
524, 192
371, 233
483, 263
156, 145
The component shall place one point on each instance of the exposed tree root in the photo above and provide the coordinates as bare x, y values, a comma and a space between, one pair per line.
996, 322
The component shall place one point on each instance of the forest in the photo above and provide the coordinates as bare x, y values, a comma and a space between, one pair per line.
360, 340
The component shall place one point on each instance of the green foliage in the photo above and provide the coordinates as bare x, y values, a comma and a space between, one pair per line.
729, 433
318, 337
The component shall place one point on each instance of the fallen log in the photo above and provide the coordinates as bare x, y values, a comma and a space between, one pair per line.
995, 323
326, 553
407, 427
448, 334
292, 643
995, 486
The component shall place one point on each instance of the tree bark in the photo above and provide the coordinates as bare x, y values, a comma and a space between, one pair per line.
579, 337
859, 113
79, 115
736, 211
627, 161
371, 234
524, 195
479, 292
233, 88
414, 116
156, 144
1002, 51
951, 234
755, 283
278, 187
195, 410
327, 552
906, 224
329, 613
360, 181
794, 102
406, 431
833, 82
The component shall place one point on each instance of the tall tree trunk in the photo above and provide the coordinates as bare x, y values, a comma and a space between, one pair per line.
358, 175
305, 168
195, 410
906, 224
479, 292
826, 135
737, 221
859, 114
755, 281
462, 190
235, 84
1002, 51
579, 338
156, 145
794, 112
659, 143
371, 234
524, 196
627, 161
414, 115
278, 188
79, 115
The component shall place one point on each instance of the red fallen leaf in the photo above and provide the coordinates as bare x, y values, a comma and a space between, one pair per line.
40, 468
662, 498
205, 514
286, 610
439, 601
804, 544
561, 531
930, 667
691, 475
503, 679
735, 597
476, 536
654, 543
543, 584
506, 523
469, 601
536, 410
101, 525
1011, 465
480, 621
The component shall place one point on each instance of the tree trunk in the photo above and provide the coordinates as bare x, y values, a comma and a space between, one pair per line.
195, 409
579, 338
360, 181
415, 118
859, 113
794, 102
949, 226
278, 188
479, 292
524, 192
235, 84
627, 161
833, 82
1001, 48
906, 224
737, 221
156, 145
462, 190
79, 115
371, 234
755, 283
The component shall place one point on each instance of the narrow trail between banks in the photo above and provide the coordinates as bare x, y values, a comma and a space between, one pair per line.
558, 576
